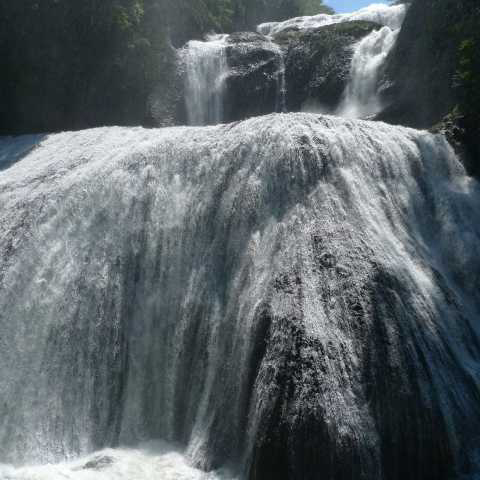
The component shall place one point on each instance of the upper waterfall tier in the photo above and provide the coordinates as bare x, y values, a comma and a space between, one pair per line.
288, 295
326, 64
206, 72
232, 77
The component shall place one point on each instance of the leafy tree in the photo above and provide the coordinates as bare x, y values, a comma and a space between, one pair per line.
314, 7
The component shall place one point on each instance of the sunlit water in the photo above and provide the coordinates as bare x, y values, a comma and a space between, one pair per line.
361, 98
136, 267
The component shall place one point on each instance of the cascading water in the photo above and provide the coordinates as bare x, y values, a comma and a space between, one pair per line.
205, 72
288, 296
208, 74
281, 94
361, 98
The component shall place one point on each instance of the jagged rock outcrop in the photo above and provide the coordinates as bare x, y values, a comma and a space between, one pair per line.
254, 83
464, 138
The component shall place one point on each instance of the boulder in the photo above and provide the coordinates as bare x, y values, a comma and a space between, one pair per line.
254, 82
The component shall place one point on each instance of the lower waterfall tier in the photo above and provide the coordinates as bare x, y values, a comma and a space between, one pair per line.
289, 297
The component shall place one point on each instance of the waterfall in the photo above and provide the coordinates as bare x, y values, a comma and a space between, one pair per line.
242, 292
205, 72
150, 461
281, 95
361, 98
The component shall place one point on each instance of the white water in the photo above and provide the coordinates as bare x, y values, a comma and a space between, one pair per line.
152, 461
135, 264
281, 96
205, 72
361, 97
382, 14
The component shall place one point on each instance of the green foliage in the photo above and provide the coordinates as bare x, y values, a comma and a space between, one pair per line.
468, 71
77, 63
468, 74
466, 34
314, 7
72, 64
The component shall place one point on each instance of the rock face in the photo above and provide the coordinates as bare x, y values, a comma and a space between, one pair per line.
419, 79
464, 138
294, 67
315, 65
254, 85
164, 103
318, 62
421, 84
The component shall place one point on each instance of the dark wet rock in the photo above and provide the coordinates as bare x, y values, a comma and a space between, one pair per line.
422, 83
98, 463
254, 81
287, 283
165, 103
418, 78
464, 138
301, 435
451, 127
419, 83
242, 37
